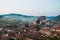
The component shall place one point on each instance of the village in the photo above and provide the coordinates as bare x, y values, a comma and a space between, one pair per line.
40, 29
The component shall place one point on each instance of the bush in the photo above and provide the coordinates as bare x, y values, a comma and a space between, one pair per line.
38, 27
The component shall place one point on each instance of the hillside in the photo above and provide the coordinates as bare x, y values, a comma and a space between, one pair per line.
56, 20
19, 18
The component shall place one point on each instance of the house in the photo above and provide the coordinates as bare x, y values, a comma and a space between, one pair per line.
46, 31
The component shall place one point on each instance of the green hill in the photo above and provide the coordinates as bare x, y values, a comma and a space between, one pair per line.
13, 18
56, 20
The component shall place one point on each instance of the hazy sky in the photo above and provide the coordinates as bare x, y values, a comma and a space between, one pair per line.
30, 7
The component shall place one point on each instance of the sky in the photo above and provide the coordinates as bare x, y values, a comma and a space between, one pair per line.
31, 7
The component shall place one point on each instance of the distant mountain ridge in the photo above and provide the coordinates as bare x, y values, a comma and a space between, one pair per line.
56, 20
24, 18
12, 14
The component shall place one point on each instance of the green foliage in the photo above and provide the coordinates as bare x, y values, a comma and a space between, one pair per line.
38, 27
56, 20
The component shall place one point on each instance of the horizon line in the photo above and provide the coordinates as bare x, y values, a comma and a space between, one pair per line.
28, 15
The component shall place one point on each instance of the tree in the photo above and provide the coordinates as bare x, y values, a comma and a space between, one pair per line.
38, 27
